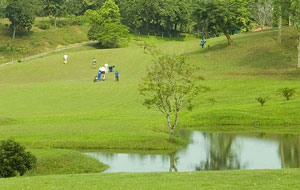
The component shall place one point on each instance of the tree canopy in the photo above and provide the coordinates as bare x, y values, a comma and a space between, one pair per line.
21, 14
106, 25
221, 16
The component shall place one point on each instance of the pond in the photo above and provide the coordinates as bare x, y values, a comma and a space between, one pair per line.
213, 151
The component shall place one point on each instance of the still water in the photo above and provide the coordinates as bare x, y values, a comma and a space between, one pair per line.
207, 151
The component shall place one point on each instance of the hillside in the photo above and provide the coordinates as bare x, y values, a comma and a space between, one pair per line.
46, 105
37, 40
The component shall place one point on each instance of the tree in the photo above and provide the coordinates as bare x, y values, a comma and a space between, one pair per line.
170, 85
14, 160
3, 4
282, 9
156, 15
295, 9
106, 25
21, 15
55, 8
222, 16
262, 12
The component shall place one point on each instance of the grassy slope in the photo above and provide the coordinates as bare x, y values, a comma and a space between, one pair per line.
57, 161
38, 40
44, 103
229, 180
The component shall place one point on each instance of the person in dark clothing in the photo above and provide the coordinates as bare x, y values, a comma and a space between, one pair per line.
202, 43
117, 75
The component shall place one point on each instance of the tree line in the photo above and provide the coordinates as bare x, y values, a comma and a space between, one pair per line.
205, 18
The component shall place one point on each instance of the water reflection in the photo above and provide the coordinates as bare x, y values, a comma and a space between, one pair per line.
220, 154
207, 151
289, 151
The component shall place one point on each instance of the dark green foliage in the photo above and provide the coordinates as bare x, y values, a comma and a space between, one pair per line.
221, 16
288, 93
44, 25
262, 99
14, 160
21, 14
106, 25
159, 16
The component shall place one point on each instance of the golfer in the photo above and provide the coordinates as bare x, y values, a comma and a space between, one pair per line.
117, 76
65, 58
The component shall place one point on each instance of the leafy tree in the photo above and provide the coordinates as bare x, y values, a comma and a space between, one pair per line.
55, 8
288, 93
21, 14
170, 85
14, 160
3, 4
106, 25
222, 16
262, 12
156, 15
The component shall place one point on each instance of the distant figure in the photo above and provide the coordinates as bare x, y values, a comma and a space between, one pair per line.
111, 69
202, 43
94, 63
117, 75
65, 59
99, 75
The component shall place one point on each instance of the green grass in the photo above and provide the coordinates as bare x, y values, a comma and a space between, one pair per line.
46, 105
55, 161
229, 180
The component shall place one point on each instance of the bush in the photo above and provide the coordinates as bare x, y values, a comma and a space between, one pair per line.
44, 25
14, 160
262, 100
288, 93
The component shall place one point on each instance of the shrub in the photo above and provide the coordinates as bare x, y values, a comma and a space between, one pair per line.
14, 160
44, 25
288, 93
262, 99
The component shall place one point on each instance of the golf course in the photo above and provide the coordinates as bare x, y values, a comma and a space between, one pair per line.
57, 112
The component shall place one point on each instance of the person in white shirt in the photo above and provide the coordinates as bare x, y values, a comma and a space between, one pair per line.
65, 59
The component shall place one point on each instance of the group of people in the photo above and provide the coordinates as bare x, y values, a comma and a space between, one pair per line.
101, 72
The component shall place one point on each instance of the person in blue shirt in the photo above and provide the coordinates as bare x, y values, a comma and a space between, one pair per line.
117, 75
99, 75
202, 43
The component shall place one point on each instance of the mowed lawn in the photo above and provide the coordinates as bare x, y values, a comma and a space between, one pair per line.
46, 105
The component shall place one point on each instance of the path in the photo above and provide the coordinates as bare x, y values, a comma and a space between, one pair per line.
49, 52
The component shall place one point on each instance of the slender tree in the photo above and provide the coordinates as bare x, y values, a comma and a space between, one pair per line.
55, 8
21, 14
262, 12
170, 85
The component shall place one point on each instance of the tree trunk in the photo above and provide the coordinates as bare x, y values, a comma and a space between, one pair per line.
299, 51
290, 20
14, 32
280, 26
228, 38
172, 163
55, 22
172, 132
